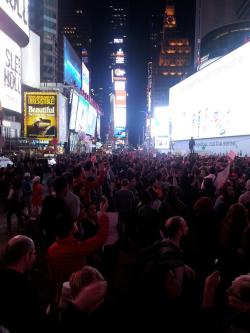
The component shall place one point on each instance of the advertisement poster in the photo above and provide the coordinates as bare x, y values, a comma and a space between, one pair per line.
72, 66
10, 74
40, 115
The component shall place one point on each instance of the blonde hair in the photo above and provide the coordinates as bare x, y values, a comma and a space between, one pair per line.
83, 278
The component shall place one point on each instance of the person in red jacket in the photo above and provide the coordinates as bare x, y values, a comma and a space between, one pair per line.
67, 254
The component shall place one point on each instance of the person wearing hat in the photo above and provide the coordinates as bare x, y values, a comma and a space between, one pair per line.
37, 196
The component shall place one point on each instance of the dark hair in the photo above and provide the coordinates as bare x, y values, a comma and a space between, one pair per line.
124, 182
77, 171
88, 166
172, 226
62, 225
16, 248
69, 177
60, 184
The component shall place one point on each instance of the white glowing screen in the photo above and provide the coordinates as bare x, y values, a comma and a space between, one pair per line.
215, 101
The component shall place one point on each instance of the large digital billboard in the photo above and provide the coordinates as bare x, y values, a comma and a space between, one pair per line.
31, 62
73, 111
10, 74
214, 102
120, 117
14, 20
85, 79
82, 115
91, 123
40, 115
72, 66
62, 119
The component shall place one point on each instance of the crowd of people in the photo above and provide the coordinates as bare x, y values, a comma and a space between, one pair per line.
133, 238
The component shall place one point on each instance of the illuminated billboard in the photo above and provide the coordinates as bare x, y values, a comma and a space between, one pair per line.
214, 102
40, 115
82, 115
10, 74
91, 123
85, 79
31, 62
119, 133
72, 66
120, 117
120, 98
62, 119
15, 20
73, 111
161, 121
119, 57
120, 85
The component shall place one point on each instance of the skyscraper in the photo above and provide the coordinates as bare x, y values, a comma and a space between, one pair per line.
117, 34
44, 22
175, 60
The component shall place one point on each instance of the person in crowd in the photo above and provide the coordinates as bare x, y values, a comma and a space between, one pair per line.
72, 200
148, 221
68, 254
231, 240
20, 310
27, 192
236, 316
14, 202
191, 145
37, 196
224, 201
125, 203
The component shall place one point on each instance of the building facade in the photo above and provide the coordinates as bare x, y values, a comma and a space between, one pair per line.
175, 59
44, 21
220, 27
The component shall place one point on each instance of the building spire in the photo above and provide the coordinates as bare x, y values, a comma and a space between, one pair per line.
169, 15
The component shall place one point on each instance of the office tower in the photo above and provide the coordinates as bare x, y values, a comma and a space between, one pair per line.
44, 21
75, 24
175, 60
220, 27
117, 16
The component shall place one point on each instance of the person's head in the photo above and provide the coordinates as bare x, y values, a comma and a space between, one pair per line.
19, 253
228, 190
36, 180
60, 185
63, 225
78, 173
69, 177
248, 185
176, 227
124, 183
80, 190
91, 210
83, 278
233, 227
146, 198
238, 294
27, 176
203, 206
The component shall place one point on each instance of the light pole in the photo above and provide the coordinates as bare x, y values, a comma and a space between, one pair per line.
143, 126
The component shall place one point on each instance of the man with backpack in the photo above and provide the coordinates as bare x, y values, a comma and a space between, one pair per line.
164, 283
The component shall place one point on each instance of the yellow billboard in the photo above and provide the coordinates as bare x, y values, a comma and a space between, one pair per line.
41, 115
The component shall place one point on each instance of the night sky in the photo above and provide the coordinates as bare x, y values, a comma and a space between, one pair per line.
138, 51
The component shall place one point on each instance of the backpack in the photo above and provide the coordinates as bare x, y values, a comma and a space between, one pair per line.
158, 267
27, 191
